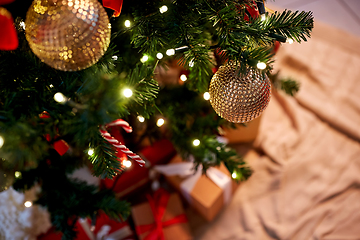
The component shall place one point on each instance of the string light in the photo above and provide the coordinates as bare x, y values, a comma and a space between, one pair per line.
59, 97
191, 63
90, 151
289, 41
51, 85
1, 141
17, 174
261, 65
234, 175
127, 92
127, 163
127, 23
163, 9
183, 77
263, 17
170, 52
206, 95
160, 122
28, 204
144, 58
114, 57
196, 142
141, 118
22, 25
159, 55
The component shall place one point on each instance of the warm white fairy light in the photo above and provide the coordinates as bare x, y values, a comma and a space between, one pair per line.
51, 85
22, 25
234, 175
114, 57
261, 65
170, 52
127, 92
160, 122
159, 55
127, 23
196, 142
28, 204
289, 41
90, 151
144, 58
17, 174
206, 95
191, 63
59, 97
126, 163
1, 141
109, 25
263, 17
183, 77
163, 9
141, 118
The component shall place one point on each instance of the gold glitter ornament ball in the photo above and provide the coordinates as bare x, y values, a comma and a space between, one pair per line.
239, 98
68, 35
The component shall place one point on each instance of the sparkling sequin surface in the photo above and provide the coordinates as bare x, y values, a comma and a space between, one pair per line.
239, 98
68, 35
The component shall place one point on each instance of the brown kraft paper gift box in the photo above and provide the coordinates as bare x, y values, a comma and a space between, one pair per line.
143, 215
206, 197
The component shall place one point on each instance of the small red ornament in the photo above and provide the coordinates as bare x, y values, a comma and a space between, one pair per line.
8, 37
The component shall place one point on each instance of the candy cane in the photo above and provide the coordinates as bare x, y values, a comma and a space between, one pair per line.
118, 144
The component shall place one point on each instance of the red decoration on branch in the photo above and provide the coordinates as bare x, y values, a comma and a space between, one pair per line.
115, 5
119, 145
8, 36
158, 205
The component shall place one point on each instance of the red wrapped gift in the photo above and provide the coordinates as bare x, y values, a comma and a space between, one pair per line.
135, 176
161, 218
104, 229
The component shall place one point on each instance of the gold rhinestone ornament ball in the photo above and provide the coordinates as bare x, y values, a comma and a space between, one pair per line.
239, 98
68, 35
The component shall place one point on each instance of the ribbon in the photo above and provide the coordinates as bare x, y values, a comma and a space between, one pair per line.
115, 5
103, 233
118, 144
186, 169
158, 207
8, 36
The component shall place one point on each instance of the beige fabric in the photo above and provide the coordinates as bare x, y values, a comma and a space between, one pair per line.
306, 185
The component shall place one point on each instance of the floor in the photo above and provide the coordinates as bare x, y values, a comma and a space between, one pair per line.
343, 14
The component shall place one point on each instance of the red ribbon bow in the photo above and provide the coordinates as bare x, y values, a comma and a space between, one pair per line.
115, 5
158, 206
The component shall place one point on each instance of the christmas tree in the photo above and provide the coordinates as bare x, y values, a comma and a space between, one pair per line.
82, 68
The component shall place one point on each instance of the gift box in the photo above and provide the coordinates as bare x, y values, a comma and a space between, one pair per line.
241, 133
161, 218
135, 177
205, 193
104, 229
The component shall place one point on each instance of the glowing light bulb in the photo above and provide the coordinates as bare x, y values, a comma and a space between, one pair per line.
261, 65
17, 174
127, 92
126, 163
289, 41
234, 175
191, 63
163, 9
141, 118
159, 55
183, 77
28, 204
196, 142
22, 25
170, 52
127, 23
206, 95
1, 141
59, 97
144, 58
263, 17
90, 151
51, 85
160, 122
114, 57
